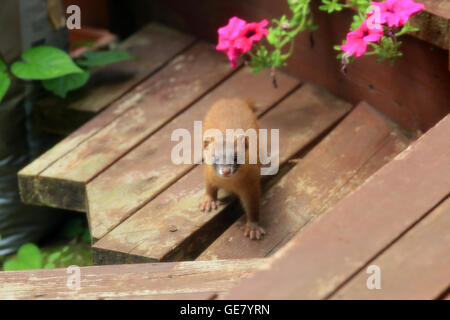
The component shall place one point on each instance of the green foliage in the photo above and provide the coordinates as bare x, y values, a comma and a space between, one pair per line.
74, 228
5, 82
57, 71
31, 257
101, 58
357, 21
28, 257
406, 29
386, 48
60, 86
281, 35
86, 236
331, 6
44, 62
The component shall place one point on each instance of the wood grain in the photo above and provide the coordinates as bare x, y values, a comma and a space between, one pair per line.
113, 133
181, 280
153, 46
147, 170
414, 267
302, 117
337, 245
361, 144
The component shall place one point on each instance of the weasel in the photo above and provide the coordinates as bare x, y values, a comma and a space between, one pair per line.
242, 179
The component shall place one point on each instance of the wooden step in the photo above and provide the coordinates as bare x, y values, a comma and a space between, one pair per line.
58, 177
361, 144
144, 172
154, 46
172, 280
302, 117
434, 22
415, 267
340, 244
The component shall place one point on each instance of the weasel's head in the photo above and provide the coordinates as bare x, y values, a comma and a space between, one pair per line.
225, 158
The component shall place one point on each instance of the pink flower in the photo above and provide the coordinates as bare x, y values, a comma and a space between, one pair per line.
396, 12
238, 36
356, 41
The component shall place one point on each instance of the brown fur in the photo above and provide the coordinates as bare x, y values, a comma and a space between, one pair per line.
245, 183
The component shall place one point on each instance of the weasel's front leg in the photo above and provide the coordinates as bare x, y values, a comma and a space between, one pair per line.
209, 202
250, 200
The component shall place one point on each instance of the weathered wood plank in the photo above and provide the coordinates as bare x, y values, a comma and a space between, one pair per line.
145, 110
302, 117
338, 244
181, 280
434, 22
154, 46
414, 267
361, 144
147, 170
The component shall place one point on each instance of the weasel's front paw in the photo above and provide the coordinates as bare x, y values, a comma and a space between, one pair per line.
253, 231
208, 204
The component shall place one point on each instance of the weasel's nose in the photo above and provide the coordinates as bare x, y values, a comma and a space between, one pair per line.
226, 171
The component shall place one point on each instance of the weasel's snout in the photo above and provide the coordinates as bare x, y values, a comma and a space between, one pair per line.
225, 171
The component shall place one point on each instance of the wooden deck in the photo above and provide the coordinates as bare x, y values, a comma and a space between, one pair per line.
339, 203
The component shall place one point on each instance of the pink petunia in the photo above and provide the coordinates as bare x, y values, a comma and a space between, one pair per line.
238, 36
356, 41
396, 12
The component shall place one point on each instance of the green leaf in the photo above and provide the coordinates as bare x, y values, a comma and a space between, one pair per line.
86, 236
67, 258
28, 257
5, 82
272, 36
60, 86
54, 256
3, 67
44, 62
357, 21
101, 58
13, 264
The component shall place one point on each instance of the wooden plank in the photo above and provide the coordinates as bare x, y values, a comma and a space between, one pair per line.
147, 170
302, 117
422, 71
337, 245
181, 280
361, 144
154, 46
434, 22
414, 267
61, 183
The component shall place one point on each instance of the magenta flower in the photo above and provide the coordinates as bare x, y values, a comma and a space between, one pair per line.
237, 37
396, 12
356, 41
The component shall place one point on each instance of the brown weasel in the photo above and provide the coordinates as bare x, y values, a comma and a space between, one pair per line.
238, 175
